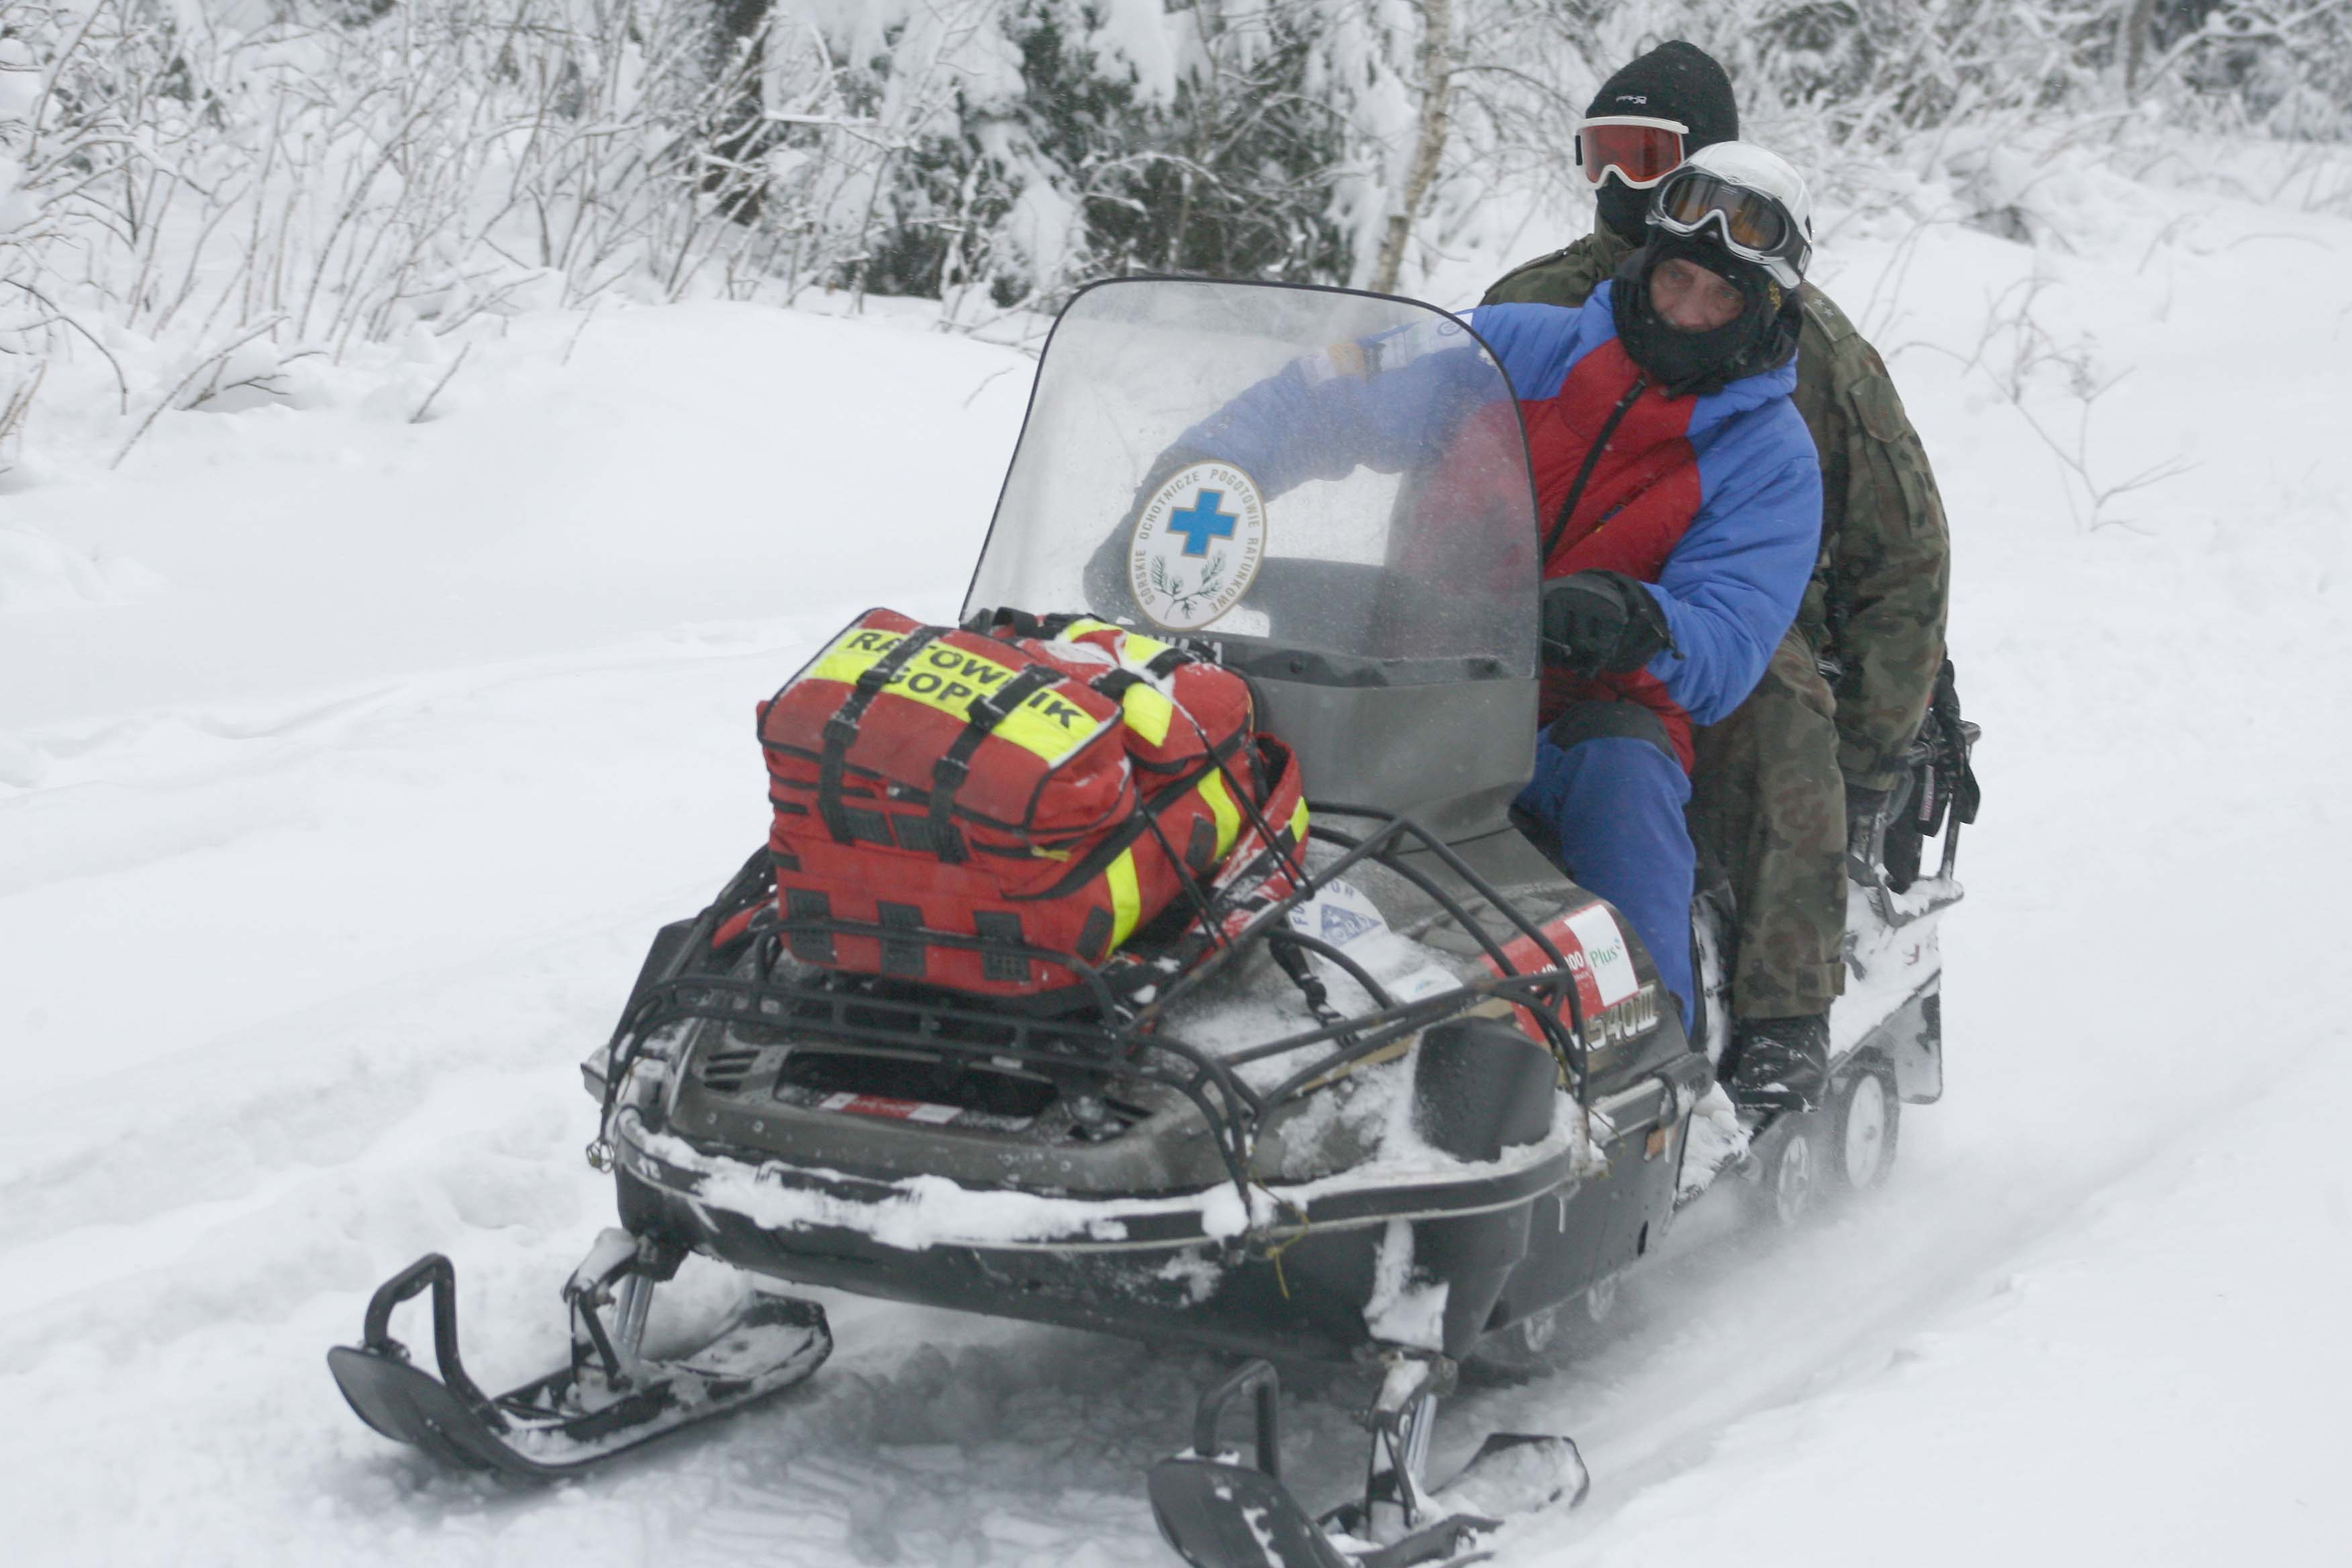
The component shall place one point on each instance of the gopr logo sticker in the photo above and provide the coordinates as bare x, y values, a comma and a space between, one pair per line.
1198, 545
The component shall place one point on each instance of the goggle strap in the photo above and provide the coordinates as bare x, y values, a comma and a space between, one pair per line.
1641, 121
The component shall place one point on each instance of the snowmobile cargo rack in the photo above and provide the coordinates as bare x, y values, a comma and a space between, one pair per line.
1114, 1034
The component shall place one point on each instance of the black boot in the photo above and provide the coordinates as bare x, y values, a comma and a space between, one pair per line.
1780, 1064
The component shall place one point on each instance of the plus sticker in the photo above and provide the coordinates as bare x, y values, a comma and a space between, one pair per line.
1604, 948
1593, 946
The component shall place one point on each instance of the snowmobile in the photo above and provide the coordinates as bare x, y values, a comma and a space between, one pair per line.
1404, 1099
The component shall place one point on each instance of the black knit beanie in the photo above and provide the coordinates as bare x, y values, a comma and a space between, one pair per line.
1674, 81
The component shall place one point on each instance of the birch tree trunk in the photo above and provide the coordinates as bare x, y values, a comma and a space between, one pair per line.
1428, 145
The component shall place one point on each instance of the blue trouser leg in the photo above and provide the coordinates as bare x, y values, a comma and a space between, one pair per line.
1616, 804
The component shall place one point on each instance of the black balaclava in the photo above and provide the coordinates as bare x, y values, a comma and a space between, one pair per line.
1674, 81
1762, 337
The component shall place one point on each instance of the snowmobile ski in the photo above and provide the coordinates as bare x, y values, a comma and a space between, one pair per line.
1218, 1512
610, 1399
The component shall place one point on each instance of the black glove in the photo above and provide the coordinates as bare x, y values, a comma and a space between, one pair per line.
1595, 621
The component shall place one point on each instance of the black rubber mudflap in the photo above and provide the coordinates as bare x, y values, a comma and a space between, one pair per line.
1221, 1515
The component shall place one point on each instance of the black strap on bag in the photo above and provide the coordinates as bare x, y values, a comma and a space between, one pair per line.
1116, 684
1023, 624
981, 718
1049, 628
995, 623
841, 730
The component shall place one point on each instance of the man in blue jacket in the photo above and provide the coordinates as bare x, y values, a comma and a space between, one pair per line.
1799, 778
1681, 497
1681, 503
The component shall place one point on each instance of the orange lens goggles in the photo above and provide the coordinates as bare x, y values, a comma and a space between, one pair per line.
1640, 151
1749, 220
1750, 224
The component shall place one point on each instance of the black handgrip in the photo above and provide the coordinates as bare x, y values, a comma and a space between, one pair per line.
431, 1269
1259, 1377
435, 1271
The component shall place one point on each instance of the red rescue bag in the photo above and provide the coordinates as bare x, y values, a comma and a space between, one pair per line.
999, 814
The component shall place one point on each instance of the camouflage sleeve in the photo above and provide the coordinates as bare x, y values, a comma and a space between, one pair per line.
1566, 277
1889, 574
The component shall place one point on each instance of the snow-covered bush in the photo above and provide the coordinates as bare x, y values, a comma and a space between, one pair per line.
198, 205
1028, 144
1832, 80
195, 195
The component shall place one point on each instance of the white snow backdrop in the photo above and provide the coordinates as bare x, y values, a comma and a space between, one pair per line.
347, 763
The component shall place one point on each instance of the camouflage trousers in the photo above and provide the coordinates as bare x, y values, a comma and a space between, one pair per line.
1767, 818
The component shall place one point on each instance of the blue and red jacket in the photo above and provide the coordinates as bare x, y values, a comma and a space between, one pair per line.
1714, 502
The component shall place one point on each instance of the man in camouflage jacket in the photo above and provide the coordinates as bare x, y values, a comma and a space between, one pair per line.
1778, 782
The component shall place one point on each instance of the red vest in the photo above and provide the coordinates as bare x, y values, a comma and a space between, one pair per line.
1637, 503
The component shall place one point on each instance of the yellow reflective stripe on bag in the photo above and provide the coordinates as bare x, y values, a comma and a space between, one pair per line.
1221, 805
1126, 898
1149, 713
948, 678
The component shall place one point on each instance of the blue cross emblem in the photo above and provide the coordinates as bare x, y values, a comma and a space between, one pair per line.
1203, 522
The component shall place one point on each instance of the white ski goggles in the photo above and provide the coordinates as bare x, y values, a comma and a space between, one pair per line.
1748, 223
1637, 149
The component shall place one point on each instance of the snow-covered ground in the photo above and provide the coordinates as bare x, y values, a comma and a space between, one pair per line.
347, 763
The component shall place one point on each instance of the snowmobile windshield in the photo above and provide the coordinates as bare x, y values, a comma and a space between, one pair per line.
1337, 478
